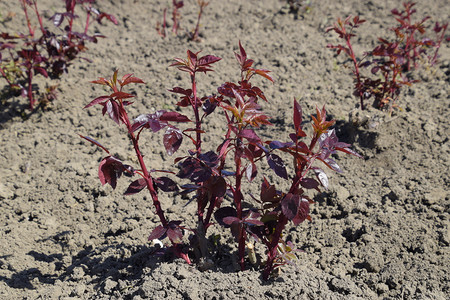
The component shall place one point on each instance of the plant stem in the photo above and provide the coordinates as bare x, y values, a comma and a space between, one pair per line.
356, 71
30, 88
87, 19
39, 18
147, 177
202, 5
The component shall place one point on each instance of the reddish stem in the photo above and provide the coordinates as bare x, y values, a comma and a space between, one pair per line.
147, 177
202, 5
24, 7
355, 64
39, 18
87, 19
30, 88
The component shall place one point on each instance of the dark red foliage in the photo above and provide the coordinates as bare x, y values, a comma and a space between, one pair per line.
223, 175
52, 53
389, 60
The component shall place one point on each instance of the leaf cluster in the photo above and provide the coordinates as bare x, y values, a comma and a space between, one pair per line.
218, 179
24, 55
391, 61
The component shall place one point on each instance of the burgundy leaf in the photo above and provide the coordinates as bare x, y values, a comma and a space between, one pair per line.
175, 235
289, 205
224, 212
151, 121
109, 170
157, 233
182, 91
231, 220
210, 158
166, 184
172, 140
207, 60
217, 186
113, 110
277, 165
194, 170
253, 222
321, 176
94, 142
309, 183
109, 17
136, 186
121, 95
302, 213
251, 172
332, 165
57, 19
268, 192
250, 135
41, 71
279, 145
97, 101
174, 117
297, 116
131, 79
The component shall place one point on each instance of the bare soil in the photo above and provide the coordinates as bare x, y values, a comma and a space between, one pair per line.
380, 232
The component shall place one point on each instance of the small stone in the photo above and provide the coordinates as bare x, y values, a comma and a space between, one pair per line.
434, 197
5, 192
77, 273
342, 193
109, 285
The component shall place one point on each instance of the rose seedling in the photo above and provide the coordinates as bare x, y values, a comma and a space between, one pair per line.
219, 178
51, 53
389, 61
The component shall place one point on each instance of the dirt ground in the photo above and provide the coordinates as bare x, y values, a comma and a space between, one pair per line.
380, 232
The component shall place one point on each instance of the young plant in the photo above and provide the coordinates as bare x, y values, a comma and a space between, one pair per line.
111, 168
193, 36
51, 53
226, 171
390, 60
161, 28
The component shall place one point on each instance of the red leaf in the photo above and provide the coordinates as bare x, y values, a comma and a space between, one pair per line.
157, 233
207, 60
121, 95
174, 117
268, 192
172, 140
136, 186
175, 234
321, 176
41, 71
289, 205
131, 79
166, 184
309, 183
101, 81
97, 101
251, 172
109, 170
94, 142
263, 73
297, 116
276, 164
113, 110
250, 135
302, 212
231, 220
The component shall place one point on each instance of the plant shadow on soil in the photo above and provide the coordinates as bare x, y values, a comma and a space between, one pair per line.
10, 108
90, 265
